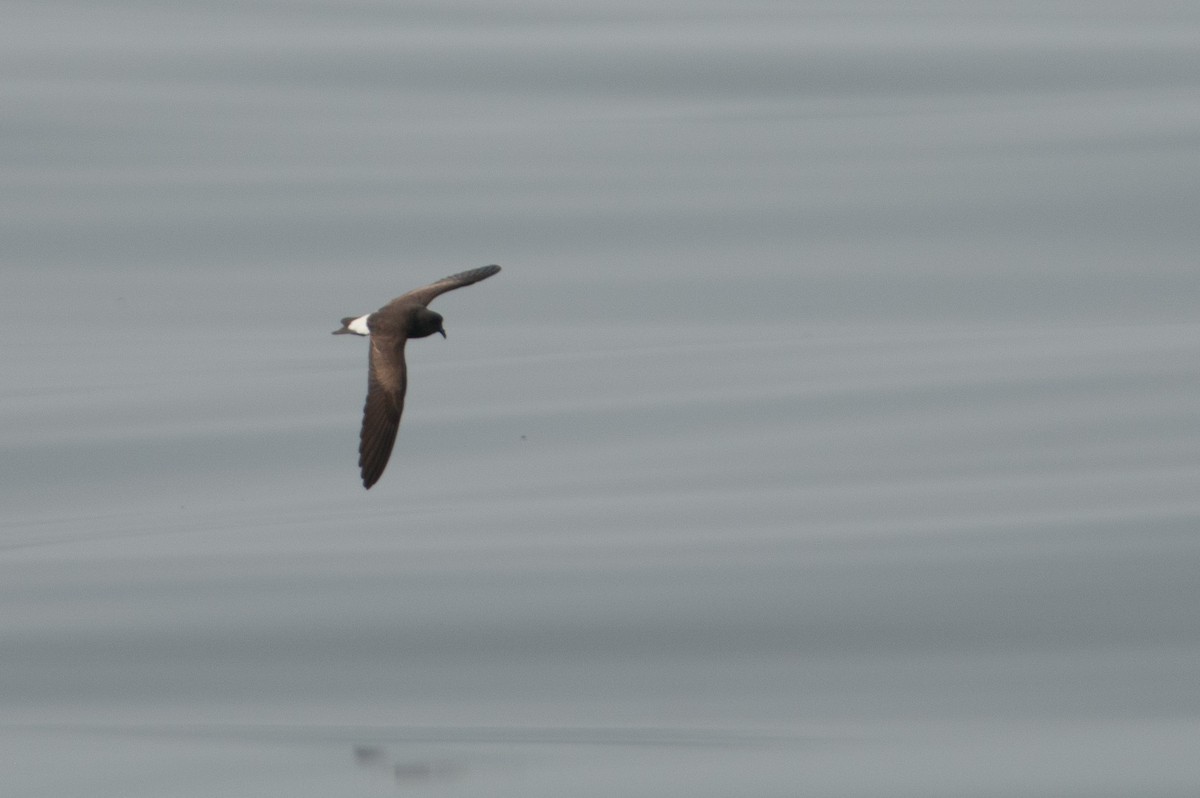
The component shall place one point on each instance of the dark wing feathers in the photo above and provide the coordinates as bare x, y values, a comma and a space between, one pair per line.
426, 294
381, 413
388, 375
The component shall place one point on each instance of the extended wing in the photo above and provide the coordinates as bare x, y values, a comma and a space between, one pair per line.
386, 385
426, 294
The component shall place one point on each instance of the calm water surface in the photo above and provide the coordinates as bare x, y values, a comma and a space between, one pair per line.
832, 429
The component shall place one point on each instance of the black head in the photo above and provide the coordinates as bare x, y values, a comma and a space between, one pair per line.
425, 322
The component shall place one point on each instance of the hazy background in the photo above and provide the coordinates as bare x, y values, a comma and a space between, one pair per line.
832, 428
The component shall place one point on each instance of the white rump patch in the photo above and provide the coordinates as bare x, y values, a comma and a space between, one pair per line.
359, 326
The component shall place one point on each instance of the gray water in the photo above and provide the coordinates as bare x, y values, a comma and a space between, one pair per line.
833, 428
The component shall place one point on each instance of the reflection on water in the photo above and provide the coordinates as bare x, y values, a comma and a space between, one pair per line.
839, 423
407, 770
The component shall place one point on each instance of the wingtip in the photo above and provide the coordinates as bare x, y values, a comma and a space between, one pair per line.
475, 275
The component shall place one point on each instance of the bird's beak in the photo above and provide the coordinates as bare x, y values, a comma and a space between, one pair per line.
442, 331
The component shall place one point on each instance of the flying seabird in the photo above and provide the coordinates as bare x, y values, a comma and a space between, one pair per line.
389, 328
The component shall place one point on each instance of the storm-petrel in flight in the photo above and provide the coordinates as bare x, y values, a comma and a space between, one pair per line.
389, 328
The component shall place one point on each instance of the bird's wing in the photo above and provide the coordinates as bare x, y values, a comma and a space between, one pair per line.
426, 294
385, 402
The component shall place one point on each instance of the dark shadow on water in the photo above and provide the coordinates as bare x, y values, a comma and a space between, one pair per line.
407, 770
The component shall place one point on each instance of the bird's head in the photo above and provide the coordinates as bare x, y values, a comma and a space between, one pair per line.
425, 322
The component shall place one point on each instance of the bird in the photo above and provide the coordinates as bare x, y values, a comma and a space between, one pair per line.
389, 328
